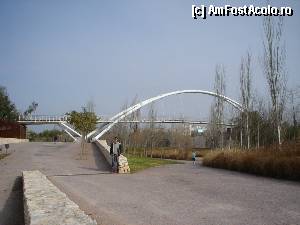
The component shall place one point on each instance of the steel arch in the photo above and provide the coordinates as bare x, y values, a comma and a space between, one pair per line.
96, 134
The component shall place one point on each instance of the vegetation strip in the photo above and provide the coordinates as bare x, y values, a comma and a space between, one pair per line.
141, 163
271, 163
2, 156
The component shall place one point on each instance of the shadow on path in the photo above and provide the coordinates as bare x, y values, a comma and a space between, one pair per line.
77, 174
13, 211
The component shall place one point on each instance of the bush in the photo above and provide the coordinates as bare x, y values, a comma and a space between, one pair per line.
283, 164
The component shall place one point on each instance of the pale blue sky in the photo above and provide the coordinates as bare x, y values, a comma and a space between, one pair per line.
64, 53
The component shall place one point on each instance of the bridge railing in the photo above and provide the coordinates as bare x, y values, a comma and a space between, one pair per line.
43, 118
64, 118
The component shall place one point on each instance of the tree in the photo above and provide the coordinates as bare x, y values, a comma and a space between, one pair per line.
121, 130
135, 135
294, 109
274, 68
47, 135
245, 87
212, 135
135, 116
258, 120
84, 122
151, 137
218, 110
90, 106
31, 108
8, 109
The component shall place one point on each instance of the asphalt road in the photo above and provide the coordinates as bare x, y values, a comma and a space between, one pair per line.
171, 194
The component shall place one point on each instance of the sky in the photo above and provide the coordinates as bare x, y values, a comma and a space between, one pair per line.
65, 53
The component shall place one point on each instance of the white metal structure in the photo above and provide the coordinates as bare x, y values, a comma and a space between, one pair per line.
66, 126
60, 120
106, 125
74, 138
97, 133
42, 119
170, 121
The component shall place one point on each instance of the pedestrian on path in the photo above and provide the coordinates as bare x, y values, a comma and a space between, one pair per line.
194, 157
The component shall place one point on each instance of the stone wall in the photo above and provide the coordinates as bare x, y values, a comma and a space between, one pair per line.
105, 149
45, 204
123, 165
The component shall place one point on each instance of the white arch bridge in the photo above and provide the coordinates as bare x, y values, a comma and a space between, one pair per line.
105, 126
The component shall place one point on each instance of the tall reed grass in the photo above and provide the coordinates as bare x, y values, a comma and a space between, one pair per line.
284, 163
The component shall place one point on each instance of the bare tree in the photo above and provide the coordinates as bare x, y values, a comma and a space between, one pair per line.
260, 111
219, 88
294, 109
135, 116
152, 118
121, 130
134, 136
212, 128
90, 106
245, 87
259, 117
274, 68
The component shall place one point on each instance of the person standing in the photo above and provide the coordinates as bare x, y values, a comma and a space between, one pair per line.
194, 157
115, 152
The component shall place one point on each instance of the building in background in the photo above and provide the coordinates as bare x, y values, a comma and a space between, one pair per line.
12, 130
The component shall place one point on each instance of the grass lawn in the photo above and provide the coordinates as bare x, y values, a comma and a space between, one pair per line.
141, 163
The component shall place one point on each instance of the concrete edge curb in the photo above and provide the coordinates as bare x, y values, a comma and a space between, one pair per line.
45, 204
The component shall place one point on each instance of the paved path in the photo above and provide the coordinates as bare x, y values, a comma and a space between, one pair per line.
172, 194
50, 159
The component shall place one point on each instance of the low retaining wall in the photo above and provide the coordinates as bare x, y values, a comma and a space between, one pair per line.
105, 149
4, 141
45, 204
